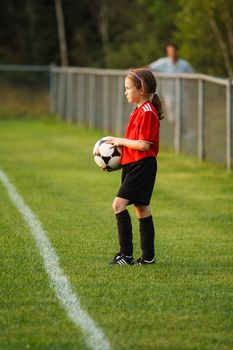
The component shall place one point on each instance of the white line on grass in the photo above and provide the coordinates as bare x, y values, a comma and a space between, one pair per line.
94, 336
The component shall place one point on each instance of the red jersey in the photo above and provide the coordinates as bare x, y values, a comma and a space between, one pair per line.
143, 125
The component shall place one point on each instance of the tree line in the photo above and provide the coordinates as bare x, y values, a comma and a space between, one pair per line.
117, 34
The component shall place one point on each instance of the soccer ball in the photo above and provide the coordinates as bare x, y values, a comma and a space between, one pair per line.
107, 157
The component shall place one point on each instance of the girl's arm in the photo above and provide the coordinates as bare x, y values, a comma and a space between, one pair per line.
139, 145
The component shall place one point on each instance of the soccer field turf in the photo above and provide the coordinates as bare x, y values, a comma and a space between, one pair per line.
183, 302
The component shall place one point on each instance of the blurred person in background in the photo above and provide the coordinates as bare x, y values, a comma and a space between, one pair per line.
170, 64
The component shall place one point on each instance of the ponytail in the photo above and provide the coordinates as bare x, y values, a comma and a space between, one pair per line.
157, 104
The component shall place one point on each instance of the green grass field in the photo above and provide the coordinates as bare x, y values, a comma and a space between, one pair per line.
184, 302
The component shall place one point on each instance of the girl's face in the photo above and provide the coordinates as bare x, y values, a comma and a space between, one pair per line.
133, 94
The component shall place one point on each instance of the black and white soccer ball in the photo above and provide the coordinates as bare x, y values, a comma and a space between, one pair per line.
107, 157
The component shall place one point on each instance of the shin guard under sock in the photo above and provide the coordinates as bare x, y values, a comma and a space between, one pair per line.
147, 234
125, 232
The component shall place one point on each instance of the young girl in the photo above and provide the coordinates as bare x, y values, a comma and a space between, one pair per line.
139, 150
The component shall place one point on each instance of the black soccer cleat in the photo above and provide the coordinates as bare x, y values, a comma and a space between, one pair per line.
142, 261
121, 259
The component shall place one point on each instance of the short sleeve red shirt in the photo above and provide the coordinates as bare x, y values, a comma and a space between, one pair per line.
143, 125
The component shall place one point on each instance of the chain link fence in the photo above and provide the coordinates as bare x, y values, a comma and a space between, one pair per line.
198, 108
24, 90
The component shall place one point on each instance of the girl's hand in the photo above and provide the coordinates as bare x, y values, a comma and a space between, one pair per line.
138, 145
115, 141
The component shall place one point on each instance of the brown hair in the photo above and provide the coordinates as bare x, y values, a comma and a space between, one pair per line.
145, 78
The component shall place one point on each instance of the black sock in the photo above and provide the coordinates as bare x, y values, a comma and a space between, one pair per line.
147, 234
125, 232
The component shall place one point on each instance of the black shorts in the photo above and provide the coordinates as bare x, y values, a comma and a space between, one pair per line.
137, 181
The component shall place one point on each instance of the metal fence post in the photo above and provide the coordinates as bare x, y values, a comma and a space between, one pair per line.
119, 112
228, 124
61, 94
106, 103
92, 98
52, 89
69, 96
177, 135
200, 134
80, 99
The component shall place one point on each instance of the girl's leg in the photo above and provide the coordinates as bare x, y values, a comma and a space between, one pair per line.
124, 226
147, 233
119, 204
143, 211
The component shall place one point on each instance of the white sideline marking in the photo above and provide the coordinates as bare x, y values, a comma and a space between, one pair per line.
94, 336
